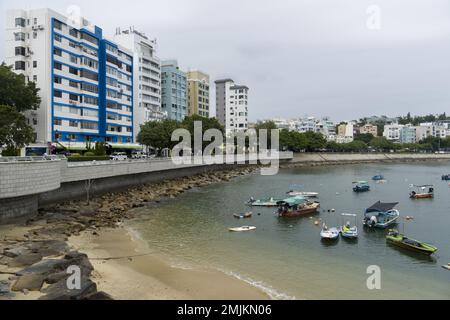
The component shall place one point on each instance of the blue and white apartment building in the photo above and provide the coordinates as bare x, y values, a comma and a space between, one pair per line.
85, 80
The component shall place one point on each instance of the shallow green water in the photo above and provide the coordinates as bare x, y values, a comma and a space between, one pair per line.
286, 257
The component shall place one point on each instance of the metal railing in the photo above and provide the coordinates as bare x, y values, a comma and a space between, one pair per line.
31, 158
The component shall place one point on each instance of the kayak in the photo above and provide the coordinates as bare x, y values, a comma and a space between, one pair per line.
242, 229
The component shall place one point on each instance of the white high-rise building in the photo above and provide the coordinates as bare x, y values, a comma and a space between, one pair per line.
85, 80
147, 76
232, 105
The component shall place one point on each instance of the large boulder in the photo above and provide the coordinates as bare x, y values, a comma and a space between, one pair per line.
60, 290
98, 296
16, 251
25, 260
30, 282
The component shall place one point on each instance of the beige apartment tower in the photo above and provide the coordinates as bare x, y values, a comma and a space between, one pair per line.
198, 93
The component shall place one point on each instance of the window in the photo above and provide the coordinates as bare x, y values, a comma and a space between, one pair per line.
19, 36
89, 88
90, 100
20, 51
57, 80
57, 37
73, 71
35, 78
73, 58
111, 82
20, 22
73, 84
89, 125
89, 113
58, 66
57, 52
57, 122
57, 94
73, 32
111, 48
90, 62
88, 75
34, 35
20, 65
73, 124
35, 21
89, 38
34, 64
58, 24
72, 44
73, 97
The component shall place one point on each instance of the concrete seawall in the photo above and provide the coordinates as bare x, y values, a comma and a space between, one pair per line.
29, 183
311, 159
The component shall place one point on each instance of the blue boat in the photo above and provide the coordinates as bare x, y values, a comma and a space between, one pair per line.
381, 215
361, 186
378, 177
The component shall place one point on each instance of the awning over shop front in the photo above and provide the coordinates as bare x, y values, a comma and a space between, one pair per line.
128, 146
72, 146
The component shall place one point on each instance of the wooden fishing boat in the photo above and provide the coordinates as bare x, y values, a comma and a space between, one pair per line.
305, 194
242, 229
263, 203
361, 186
243, 215
399, 240
421, 192
297, 207
381, 215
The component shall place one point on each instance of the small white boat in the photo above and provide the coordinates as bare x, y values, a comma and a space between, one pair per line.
303, 194
329, 233
242, 229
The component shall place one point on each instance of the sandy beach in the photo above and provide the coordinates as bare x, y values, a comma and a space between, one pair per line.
147, 275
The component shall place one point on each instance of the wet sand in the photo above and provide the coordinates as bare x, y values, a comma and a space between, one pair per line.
148, 275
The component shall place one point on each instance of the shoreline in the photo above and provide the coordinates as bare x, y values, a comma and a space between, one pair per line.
335, 159
148, 275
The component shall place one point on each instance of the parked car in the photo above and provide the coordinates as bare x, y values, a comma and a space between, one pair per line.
139, 155
118, 156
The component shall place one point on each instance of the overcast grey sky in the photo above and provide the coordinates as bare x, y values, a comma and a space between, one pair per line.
299, 57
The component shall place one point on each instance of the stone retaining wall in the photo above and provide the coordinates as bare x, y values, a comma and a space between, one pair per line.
19, 179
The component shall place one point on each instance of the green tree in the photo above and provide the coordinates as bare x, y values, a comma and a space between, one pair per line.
158, 134
382, 144
100, 148
267, 125
15, 133
364, 137
315, 141
15, 92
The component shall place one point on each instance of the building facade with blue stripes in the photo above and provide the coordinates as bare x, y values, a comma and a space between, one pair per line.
85, 80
